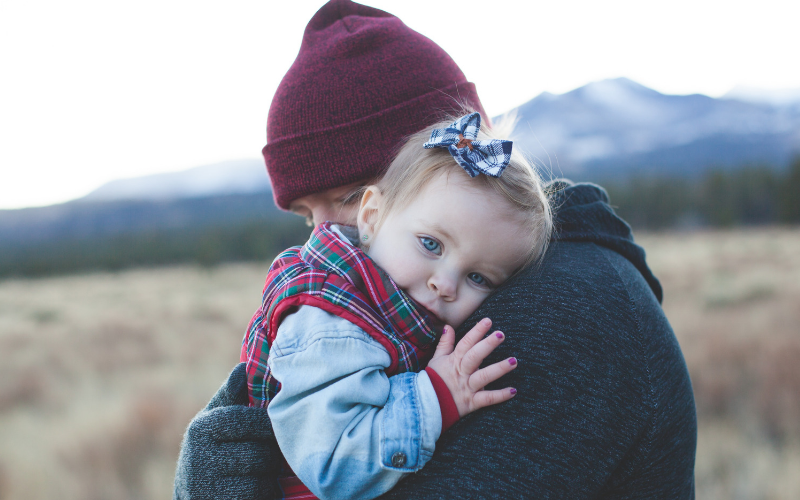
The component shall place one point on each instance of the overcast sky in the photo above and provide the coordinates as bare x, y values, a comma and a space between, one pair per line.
96, 90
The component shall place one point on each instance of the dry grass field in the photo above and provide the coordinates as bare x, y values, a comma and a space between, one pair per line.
100, 373
733, 299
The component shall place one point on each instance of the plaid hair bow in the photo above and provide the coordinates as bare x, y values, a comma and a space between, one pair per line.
475, 157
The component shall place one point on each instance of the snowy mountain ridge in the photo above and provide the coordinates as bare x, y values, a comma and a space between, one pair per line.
605, 129
622, 122
230, 177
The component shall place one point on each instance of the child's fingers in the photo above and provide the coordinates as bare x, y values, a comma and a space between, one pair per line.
474, 357
473, 336
446, 342
488, 398
486, 376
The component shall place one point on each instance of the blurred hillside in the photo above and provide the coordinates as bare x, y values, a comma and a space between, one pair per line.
89, 235
748, 196
85, 235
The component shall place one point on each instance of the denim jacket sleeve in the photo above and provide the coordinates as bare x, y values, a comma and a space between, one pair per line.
346, 429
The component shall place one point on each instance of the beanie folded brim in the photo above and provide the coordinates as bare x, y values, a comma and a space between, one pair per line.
353, 152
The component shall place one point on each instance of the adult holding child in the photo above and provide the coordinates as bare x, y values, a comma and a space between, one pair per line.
604, 408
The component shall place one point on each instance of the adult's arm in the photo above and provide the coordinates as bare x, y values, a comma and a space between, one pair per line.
604, 408
228, 450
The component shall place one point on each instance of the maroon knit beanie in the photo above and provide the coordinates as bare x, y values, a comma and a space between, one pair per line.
362, 82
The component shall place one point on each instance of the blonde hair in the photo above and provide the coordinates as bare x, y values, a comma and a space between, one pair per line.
520, 184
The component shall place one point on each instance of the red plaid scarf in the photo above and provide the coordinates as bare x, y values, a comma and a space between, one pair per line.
333, 274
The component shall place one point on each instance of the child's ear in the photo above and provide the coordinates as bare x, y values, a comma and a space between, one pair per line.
369, 212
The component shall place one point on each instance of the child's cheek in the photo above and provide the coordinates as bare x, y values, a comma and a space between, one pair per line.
470, 301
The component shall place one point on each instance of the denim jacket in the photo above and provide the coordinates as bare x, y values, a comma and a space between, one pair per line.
346, 429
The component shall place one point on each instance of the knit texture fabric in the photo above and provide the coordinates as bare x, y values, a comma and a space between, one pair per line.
362, 82
229, 450
331, 273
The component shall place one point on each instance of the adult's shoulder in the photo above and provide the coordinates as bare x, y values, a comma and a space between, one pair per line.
593, 299
593, 271
578, 281
583, 303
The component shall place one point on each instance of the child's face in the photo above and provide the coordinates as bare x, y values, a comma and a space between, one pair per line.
450, 248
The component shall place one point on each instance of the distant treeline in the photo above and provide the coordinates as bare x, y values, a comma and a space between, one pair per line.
78, 238
752, 195
206, 246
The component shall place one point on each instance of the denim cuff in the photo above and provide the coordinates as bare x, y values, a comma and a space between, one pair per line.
411, 423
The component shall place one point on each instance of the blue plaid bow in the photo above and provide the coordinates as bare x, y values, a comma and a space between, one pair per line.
475, 157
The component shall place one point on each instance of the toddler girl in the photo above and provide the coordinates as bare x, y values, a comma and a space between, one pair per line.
342, 348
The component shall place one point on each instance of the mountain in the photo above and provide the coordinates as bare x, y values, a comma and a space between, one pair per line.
781, 97
208, 214
610, 129
82, 219
218, 179
232, 192
619, 128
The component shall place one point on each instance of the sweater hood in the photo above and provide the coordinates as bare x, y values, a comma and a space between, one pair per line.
582, 213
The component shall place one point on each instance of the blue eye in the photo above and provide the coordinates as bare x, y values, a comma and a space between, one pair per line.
478, 279
431, 245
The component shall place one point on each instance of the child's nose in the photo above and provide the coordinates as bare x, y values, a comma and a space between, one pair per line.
443, 286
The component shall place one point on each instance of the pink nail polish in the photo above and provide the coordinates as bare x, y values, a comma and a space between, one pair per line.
499, 335
512, 361
512, 391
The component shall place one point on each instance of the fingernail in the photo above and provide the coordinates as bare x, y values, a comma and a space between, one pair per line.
444, 330
512, 361
499, 335
512, 391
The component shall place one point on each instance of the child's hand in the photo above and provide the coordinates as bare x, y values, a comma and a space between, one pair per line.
459, 368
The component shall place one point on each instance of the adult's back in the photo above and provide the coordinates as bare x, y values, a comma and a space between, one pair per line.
605, 406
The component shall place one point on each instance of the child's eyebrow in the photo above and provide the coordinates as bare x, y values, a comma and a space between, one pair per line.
434, 226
